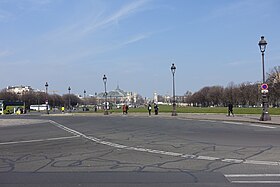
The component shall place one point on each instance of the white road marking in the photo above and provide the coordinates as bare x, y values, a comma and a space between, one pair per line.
270, 163
185, 119
230, 160
167, 153
252, 175
256, 182
39, 140
212, 121
207, 158
232, 122
252, 125
264, 126
235, 178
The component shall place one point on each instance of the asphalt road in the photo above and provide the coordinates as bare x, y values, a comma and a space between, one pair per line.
136, 151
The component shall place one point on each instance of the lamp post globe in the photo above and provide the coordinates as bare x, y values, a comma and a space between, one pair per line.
265, 115
173, 69
47, 103
105, 93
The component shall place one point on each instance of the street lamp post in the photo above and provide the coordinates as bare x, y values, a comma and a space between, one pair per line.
85, 100
174, 113
47, 103
265, 115
69, 100
105, 109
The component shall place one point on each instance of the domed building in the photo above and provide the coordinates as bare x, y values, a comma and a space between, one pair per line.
118, 96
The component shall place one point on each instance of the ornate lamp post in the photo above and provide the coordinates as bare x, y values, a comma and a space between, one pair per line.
105, 106
69, 100
47, 103
85, 100
174, 113
265, 115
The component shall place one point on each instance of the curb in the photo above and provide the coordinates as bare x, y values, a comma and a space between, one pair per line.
192, 116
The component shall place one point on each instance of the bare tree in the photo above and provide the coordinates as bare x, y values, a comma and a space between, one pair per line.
74, 100
215, 95
187, 97
8, 96
274, 86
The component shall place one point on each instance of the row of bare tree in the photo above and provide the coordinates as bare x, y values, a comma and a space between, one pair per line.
244, 94
38, 98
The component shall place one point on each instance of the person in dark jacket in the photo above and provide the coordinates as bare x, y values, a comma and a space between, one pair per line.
126, 109
230, 109
150, 109
156, 109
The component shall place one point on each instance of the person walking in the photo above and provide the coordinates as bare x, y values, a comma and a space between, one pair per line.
150, 109
230, 109
95, 108
156, 109
124, 109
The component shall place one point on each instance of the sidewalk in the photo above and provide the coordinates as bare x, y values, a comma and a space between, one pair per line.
249, 118
275, 120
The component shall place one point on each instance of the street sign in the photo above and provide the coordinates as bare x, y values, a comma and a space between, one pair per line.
264, 91
264, 87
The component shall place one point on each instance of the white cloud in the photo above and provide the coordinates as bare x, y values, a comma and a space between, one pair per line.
238, 8
135, 39
239, 63
5, 53
19, 7
96, 21
116, 17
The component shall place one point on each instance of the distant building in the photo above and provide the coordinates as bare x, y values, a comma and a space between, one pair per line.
119, 96
19, 89
155, 97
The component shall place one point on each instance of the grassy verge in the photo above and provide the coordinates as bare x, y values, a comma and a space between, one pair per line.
216, 110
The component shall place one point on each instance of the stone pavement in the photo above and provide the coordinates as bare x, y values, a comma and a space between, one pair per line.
250, 118
223, 117
237, 118
14, 122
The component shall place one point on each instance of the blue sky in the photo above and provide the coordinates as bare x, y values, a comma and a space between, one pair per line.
74, 43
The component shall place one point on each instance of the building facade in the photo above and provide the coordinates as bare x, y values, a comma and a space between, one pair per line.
19, 89
119, 96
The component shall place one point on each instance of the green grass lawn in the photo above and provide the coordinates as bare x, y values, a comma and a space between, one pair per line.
219, 110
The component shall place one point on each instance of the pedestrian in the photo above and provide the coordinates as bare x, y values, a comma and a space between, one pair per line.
156, 109
124, 109
149, 109
230, 109
95, 108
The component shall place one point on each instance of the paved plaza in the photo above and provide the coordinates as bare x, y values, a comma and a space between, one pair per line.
138, 150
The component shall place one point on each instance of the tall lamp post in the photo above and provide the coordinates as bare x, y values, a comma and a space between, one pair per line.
265, 115
173, 69
69, 100
47, 103
85, 100
105, 109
